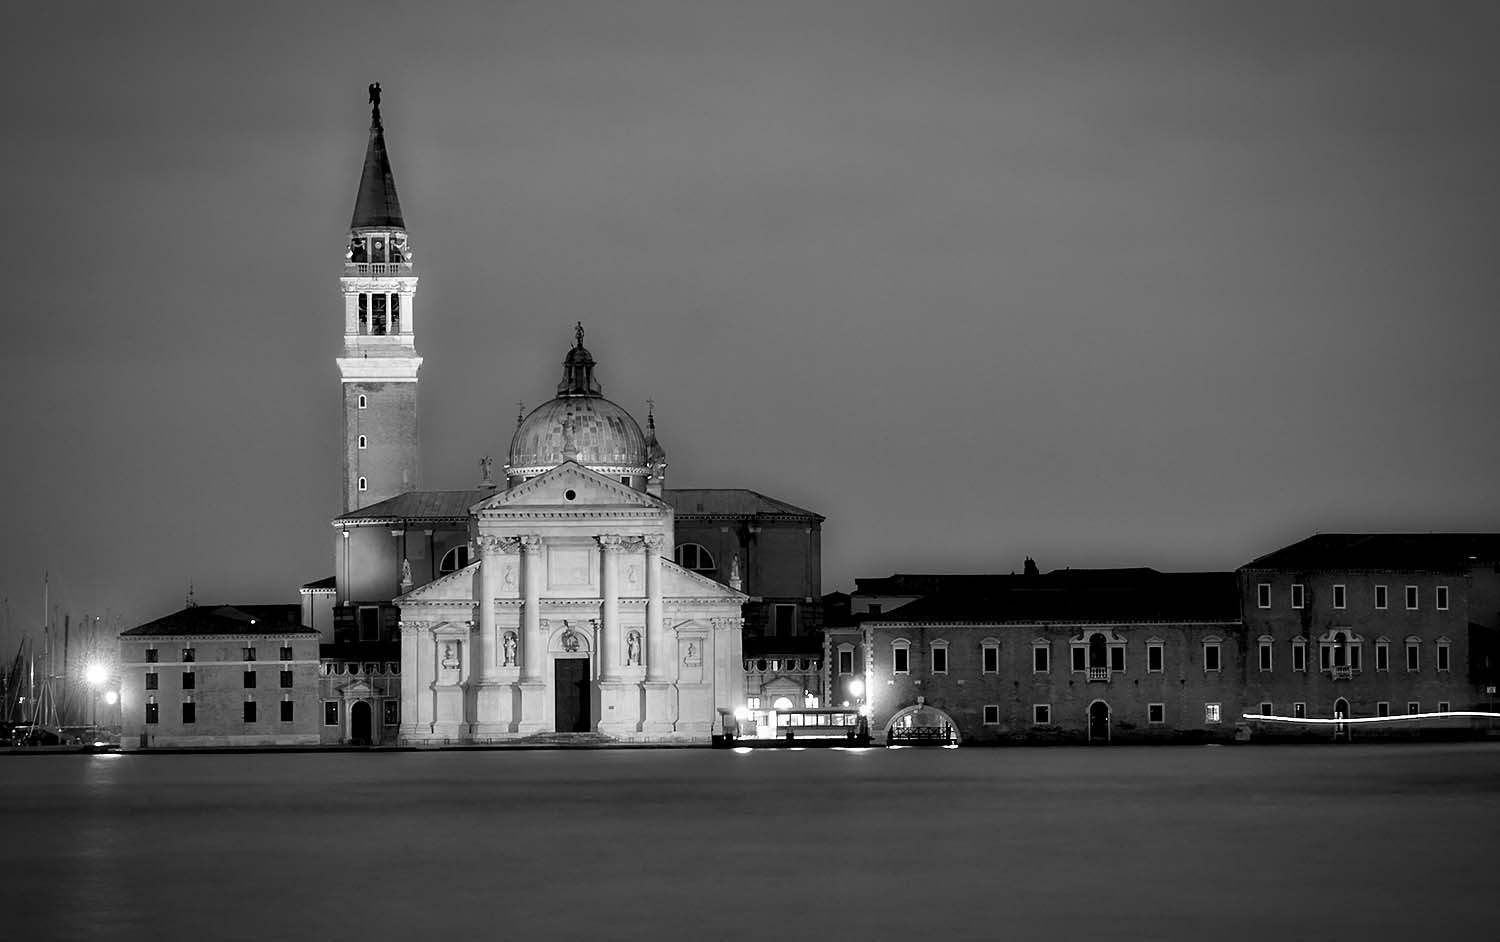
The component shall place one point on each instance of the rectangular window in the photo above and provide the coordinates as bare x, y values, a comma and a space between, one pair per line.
286, 678
286, 652
846, 662
1442, 598
876, 608
330, 713
1265, 708
1299, 657
286, 711
395, 313
189, 655
1382, 656
392, 712
1382, 597
1413, 708
939, 659
151, 655
1154, 658
1211, 656
189, 680
153, 710
249, 654
189, 712
1325, 656
786, 621
1299, 711
1080, 658
1117, 658
1266, 649
377, 314
991, 714
364, 313
368, 618
1041, 713
249, 711
1413, 656
1442, 706
1156, 713
1210, 713
1411, 598
901, 659
1442, 657
1299, 595
1354, 657
1340, 597
151, 680
1263, 595
249, 680
992, 659
1383, 708
1041, 659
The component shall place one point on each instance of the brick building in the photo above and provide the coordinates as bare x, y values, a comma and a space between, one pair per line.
227, 675
1088, 655
1363, 625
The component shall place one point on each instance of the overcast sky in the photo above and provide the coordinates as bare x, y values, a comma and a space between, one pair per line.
1165, 284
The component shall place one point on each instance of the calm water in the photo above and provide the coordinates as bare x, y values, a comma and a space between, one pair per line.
1370, 842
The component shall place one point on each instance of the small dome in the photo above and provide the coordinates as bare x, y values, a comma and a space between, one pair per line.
590, 430
579, 425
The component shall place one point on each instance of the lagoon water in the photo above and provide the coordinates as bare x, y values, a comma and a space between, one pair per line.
1312, 842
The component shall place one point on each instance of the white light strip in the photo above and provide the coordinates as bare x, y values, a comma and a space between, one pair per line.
1368, 719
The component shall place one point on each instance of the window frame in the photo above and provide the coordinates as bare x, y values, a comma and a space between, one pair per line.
1213, 714
989, 652
288, 710
1041, 714
1267, 708
1266, 653
1382, 656
249, 680
1444, 706
250, 713
189, 680
362, 402
1440, 597
153, 711
1041, 654
1413, 656
286, 679
335, 717
390, 712
1340, 596
189, 712
1263, 595
1382, 598
991, 714
362, 484
938, 651
1299, 655
1158, 649
363, 443
1413, 598
1413, 707
1218, 657
679, 556
1444, 656
1299, 595
901, 656
1156, 714
1382, 708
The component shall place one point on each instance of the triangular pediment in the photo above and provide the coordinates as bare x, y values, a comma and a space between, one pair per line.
589, 490
456, 586
680, 583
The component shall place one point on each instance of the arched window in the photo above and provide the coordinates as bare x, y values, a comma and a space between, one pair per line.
363, 442
363, 484
363, 401
694, 557
782, 703
454, 560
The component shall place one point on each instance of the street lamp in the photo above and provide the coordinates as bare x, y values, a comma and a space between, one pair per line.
857, 691
96, 675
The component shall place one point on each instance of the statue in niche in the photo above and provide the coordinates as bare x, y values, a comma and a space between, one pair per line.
633, 649
450, 655
570, 641
508, 646
405, 575
692, 654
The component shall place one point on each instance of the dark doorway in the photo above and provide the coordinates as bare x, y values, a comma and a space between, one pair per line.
359, 723
1097, 653
572, 693
1341, 712
1099, 721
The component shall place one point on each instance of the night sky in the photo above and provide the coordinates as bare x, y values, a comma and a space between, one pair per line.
1108, 284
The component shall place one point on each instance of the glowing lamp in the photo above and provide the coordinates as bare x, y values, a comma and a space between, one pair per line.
857, 687
742, 714
864, 709
96, 674
111, 697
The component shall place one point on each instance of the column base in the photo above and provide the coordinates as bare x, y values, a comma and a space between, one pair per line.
619, 707
661, 707
533, 717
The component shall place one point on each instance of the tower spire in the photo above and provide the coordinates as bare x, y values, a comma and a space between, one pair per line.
376, 206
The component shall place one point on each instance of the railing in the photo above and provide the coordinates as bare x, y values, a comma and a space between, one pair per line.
1099, 673
920, 734
377, 268
1342, 673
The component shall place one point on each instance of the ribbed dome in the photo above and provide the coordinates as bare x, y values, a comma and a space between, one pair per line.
590, 430
579, 425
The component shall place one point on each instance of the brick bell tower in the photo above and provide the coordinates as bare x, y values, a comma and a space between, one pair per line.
379, 364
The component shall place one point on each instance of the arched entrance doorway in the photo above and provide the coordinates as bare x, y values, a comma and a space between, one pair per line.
922, 724
1341, 712
359, 723
1099, 721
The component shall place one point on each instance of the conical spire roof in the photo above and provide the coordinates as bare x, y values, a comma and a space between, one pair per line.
376, 206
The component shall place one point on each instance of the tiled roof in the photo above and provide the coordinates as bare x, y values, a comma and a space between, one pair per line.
1401, 552
200, 620
1106, 595
329, 583
730, 502
420, 505
906, 583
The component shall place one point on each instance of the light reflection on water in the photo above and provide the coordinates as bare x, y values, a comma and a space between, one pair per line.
1175, 843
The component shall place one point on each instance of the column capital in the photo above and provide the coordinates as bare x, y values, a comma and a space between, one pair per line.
412, 627
490, 545
530, 543
609, 542
653, 542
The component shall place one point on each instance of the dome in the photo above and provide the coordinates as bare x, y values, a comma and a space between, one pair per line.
590, 430
579, 425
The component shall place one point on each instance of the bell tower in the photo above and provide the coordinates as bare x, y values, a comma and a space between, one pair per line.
379, 365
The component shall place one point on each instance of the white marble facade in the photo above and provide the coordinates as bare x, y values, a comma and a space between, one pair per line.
570, 620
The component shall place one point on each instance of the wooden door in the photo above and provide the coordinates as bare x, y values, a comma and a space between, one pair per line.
571, 692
